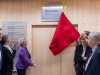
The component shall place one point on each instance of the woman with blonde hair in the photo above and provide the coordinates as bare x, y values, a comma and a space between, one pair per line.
82, 52
23, 58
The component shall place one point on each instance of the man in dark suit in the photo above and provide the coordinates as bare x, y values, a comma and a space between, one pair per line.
1, 54
92, 66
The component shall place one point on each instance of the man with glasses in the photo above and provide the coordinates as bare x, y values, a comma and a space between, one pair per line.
92, 66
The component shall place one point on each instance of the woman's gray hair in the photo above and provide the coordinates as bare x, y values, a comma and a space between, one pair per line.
22, 40
4, 38
95, 35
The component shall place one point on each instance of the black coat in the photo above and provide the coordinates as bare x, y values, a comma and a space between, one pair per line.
78, 59
8, 59
2, 62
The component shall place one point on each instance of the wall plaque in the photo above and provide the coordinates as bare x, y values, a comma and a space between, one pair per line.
51, 11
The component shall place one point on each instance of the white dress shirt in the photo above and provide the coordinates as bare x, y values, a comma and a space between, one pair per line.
84, 50
8, 47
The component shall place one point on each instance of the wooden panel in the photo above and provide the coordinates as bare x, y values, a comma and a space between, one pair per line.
34, 12
98, 15
93, 16
75, 11
18, 9
13, 10
80, 15
85, 13
47, 63
3, 13
8, 9
67, 67
70, 10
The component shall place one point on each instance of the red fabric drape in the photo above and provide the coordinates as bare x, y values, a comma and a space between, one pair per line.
64, 35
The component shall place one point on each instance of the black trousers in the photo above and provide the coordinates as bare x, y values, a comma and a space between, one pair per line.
79, 71
0, 72
8, 73
21, 71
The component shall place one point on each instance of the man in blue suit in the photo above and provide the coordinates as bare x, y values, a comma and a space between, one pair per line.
1, 54
92, 66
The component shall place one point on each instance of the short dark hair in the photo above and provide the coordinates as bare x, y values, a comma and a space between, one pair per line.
4, 38
87, 32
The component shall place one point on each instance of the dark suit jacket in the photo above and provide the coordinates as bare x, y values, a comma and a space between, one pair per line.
8, 59
94, 64
2, 61
79, 62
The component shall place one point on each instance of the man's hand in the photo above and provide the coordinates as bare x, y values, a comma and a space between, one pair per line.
84, 58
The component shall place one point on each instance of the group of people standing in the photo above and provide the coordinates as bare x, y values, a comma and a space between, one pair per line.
87, 54
86, 57
7, 54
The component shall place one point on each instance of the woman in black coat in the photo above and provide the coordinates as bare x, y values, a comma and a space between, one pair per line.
9, 54
81, 55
